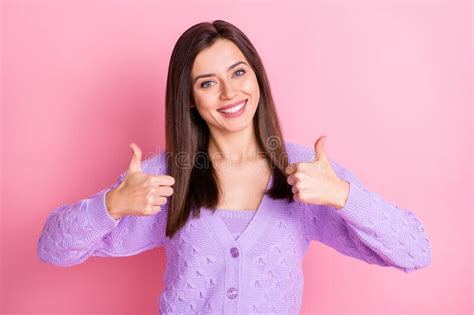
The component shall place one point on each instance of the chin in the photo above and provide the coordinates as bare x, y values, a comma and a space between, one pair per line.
235, 127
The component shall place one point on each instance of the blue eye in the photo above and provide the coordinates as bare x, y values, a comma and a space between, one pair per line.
240, 70
205, 86
204, 83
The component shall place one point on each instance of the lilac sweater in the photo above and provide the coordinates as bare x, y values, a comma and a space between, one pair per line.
210, 271
236, 220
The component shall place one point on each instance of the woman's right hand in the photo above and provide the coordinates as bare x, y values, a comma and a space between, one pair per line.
139, 193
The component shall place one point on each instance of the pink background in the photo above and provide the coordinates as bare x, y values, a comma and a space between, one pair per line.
390, 84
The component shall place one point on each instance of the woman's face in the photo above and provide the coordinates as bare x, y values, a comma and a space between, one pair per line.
222, 76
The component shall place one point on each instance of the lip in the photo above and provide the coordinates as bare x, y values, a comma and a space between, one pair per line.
236, 114
232, 105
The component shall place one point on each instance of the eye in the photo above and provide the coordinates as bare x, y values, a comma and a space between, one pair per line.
240, 70
205, 85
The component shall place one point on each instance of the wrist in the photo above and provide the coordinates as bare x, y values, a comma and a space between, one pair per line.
342, 195
110, 198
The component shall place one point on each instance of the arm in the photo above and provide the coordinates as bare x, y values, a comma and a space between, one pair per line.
369, 228
74, 232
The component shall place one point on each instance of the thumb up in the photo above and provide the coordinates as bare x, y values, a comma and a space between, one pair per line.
135, 163
316, 182
139, 193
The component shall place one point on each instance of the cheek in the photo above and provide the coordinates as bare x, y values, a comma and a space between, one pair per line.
251, 86
204, 101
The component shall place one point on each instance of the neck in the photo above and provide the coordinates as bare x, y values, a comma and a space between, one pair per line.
236, 147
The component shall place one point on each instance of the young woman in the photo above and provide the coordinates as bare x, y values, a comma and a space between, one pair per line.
234, 205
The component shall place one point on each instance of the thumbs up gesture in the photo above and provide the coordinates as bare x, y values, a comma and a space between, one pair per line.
139, 193
316, 182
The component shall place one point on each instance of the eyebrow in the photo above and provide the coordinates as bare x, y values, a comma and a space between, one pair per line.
213, 74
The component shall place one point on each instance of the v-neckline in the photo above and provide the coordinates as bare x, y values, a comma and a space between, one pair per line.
250, 233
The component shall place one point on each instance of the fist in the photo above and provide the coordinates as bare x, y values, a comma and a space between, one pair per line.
316, 182
139, 193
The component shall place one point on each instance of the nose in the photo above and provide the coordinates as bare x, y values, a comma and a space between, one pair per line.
228, 90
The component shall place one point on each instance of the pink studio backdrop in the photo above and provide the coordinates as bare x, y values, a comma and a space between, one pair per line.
390, 84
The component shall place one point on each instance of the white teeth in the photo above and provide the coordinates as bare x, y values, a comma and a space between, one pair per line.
233, 109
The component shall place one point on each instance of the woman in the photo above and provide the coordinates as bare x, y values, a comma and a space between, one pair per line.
243, 205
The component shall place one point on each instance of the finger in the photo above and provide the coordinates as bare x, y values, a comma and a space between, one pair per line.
294, 189
296, 197
150, 199
156, 193
156, 209
163, 180
159, 201
152, 209
164, 191
135, 163
290, 169
319, 149
291, 180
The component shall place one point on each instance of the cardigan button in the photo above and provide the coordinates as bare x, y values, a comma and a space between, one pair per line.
234, 251
232, 293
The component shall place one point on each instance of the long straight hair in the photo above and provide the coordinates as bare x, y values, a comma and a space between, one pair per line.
187, 133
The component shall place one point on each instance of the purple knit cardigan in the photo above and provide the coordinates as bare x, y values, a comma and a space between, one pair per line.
208, 271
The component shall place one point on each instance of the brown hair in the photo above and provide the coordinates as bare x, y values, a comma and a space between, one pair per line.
187, 134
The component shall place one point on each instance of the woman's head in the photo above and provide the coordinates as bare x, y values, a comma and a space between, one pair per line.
208, 48
192, 114
221, 75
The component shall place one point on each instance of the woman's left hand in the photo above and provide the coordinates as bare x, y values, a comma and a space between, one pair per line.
316, 182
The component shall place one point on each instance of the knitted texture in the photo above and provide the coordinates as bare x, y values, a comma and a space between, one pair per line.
236, 220
211, 270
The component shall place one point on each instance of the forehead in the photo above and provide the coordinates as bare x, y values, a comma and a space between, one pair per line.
217, 57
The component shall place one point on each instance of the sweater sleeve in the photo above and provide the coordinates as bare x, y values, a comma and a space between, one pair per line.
370, 228
74, 232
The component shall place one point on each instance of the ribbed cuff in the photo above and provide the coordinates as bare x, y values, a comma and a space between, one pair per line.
99, 217
357, 204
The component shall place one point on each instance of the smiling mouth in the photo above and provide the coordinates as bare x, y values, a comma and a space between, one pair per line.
233, 109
